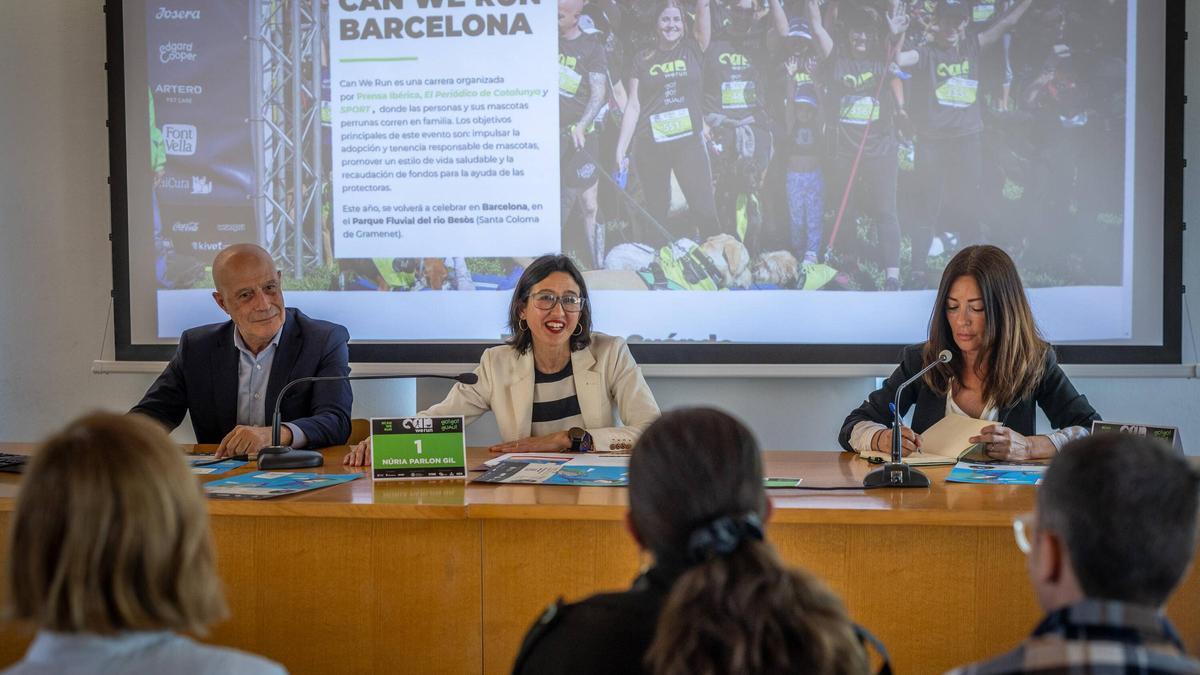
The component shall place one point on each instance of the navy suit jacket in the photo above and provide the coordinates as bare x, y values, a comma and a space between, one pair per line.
1055, 395
202, 378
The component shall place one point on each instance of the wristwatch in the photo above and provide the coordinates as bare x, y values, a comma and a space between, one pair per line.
581, 440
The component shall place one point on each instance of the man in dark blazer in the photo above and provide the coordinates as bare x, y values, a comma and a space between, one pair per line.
228, 375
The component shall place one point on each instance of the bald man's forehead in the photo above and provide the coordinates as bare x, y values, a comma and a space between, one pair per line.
243, 268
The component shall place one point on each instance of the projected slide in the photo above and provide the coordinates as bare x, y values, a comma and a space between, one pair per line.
748, 171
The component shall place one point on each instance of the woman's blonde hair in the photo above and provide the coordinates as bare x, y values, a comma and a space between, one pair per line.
111, 533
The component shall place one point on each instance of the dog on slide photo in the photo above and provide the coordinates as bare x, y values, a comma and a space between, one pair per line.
777, 268
731, 258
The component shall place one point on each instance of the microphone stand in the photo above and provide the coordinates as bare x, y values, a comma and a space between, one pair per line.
276, 456
896, 473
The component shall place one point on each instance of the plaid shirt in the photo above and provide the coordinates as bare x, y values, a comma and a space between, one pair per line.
1097, 637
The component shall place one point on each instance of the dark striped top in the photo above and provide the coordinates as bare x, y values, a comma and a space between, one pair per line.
555, 405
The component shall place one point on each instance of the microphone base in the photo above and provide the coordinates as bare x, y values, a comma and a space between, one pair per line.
896, 475
279, 457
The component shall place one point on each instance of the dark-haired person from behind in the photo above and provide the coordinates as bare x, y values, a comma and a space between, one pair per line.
555, 385
1001, 368
717, 598
1113, 534
110, 557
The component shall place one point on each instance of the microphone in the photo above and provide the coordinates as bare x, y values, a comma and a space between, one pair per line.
896, 473
276, 456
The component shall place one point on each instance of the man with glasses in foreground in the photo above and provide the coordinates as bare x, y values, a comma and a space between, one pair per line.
1114, 532
555, 385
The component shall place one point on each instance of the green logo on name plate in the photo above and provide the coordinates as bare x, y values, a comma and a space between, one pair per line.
418, 448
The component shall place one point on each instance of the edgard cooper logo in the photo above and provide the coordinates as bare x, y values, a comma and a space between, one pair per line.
176, 51
166, 14
179, 139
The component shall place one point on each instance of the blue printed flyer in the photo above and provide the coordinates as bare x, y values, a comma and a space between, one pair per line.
580, 470
997, 474
208, 465
268, 484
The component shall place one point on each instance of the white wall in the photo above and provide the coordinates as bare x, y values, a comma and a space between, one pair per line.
55, 265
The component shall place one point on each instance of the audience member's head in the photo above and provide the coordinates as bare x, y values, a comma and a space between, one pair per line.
111, 534
697, 503
1116, 520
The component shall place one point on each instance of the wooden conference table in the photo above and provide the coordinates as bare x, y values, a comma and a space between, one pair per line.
446, 577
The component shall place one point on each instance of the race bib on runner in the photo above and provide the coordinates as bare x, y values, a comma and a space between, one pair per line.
859, 109
737, 95
568, 81
983, 12
957, 92
670, 125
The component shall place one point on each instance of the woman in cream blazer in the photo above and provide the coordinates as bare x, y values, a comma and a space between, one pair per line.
555, 385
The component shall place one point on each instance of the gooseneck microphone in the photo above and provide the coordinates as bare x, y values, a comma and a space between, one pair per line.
896, 473
276, 456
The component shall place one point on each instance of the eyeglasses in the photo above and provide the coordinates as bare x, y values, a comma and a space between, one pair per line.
1024, 528
546, 301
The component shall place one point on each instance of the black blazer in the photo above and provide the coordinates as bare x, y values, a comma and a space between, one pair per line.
202, 378
1055, 395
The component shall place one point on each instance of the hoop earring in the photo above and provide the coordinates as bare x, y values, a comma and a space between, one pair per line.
578, 330
522, 325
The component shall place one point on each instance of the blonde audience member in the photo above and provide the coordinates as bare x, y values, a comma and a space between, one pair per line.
111, 557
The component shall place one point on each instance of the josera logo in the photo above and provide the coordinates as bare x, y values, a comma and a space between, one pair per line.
164, 14
676, 68
954, 69
176, 51
417, 424
180, 139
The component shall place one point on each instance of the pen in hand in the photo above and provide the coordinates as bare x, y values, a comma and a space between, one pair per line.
892, 407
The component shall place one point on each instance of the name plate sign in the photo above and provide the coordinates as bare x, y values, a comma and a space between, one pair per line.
418, 448
1168, 435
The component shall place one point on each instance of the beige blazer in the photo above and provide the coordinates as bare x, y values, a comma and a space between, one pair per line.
607, 380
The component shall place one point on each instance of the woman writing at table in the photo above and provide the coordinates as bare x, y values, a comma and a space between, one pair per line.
1001, 369
555, 384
